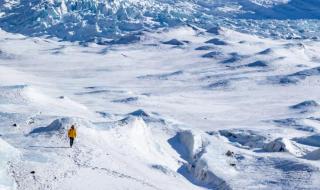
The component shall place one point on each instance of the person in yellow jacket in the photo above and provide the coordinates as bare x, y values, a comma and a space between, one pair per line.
72, 134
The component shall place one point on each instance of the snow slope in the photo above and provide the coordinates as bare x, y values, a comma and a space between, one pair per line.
7, 154
158, 114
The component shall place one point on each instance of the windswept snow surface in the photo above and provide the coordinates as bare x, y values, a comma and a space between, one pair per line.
180, 109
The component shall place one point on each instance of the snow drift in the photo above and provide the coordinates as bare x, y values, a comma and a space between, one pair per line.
200, 154
283, 145
61, 125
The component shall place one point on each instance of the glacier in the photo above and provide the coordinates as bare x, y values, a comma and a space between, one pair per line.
103, 21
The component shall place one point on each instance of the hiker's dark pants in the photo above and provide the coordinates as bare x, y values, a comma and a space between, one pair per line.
71, 141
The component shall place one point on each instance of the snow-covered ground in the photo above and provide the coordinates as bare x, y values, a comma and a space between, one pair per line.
181, 109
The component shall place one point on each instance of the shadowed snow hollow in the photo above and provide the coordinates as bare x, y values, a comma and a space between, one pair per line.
314, 155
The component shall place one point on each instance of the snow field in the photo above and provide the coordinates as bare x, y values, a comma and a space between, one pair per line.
154, 115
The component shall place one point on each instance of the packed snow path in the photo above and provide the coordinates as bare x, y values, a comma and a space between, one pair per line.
181, 109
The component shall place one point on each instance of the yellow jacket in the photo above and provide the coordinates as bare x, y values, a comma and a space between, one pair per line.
72, 133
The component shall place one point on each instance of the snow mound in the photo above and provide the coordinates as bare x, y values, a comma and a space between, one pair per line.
306, 105
17, 94
60, 126
216, 41
257, 64
147, 117
294, 123
296, 77
234, 57
203, 48
220, 84
313, 140
134, 133
213, 54
139, 113
267, 51
162, 76
126, 100
314, 155
215, 30
244, 138
283, 145
174, 42
7, 153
